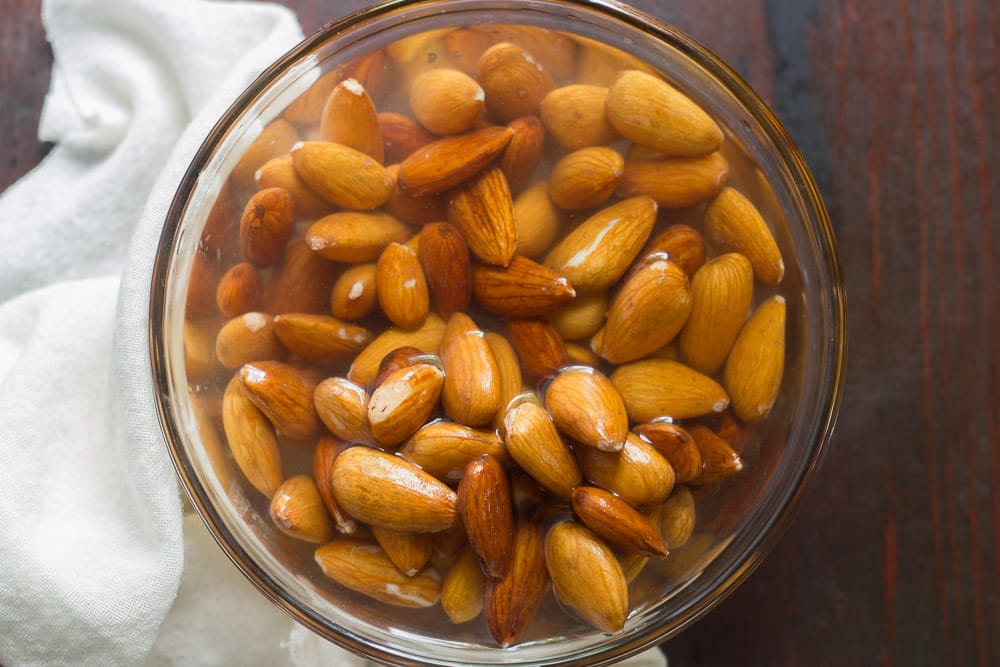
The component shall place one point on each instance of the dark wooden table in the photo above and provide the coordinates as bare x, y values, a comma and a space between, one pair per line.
893, 557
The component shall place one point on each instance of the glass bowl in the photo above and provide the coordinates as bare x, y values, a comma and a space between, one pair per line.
739, 521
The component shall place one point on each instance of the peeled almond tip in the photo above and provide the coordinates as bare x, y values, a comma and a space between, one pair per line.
720, 405
297, 145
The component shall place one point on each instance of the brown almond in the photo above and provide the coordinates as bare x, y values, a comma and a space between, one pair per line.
279, 172
300, 282
535, 445
450, 541
446, 163
487, 514
462, 592
721, 461
427, 338
586, 178
649, 111
444, 448
587, 408
734, 224
364, 567
659, 388
297, 510
446, 101
277, 138
599, 251
582, 317
756, 362
523, 289
509, 368
320, 339
574, 116
219, 237
349, 119
355, 236
514, 81
483, 211
240, 290
586, 575
401, 136
677, 518
326, 452
353, 296
409, 552
676, 445
598, 63
342, 406
403, 402
284, 395
342, 175
447, 267
401, 357
616, 522
637, 474
520, 159
732, 430
675, 182
554, 49
370, 70
510, 602
251, 439
580, 355
539, 347
401, 287
200, 338
412, 209
204, 276
385, 490
248, 337
683, 246
465, 46
471, 393
266, 225
537, 220
721, 293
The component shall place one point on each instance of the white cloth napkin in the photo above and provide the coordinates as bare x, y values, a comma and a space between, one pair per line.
98, 565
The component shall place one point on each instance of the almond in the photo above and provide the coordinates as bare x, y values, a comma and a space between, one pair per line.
586, 177
720, 460
471, 393
446, 101
284, 395
401, 357
510, 371
443, 164
204, 276
370, 70
487, 514
676, 445
637, 474
614, 521
462, 593
266, 225
409, 552
598, 63
401, 287
427, 338
599, 251
364, 567
574, 116
587, 408
649, 111
320, 339
510, 602
218, 237
200, 360
444, 449
756, 362
342, 175
239, 290
401, 136
279, 172
537, 220
520, 159
586, 575
300, 282
251, 438
721, 293
326, 452
539, 347
353, 296
632, 565
679, 182
342, 406
483, 211
403, 402
555, 50
683, 245
514, 81
416, 53
248, 337
580, 355
582, 317
354, 236
535, 445
349, 119
297, 510
450, 541
677, 518
385, 490
412, 209
277, 138
465, 46
523, 289
734, 224
445, 260
659, 388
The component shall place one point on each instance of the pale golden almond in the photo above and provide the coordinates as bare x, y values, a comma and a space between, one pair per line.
401, 357
510, 602
417, 53
676, 445
446, 101
539, 347
514, 81
297, 510
536, 446
300, 282
522, 155
683, 246
349, 119
599, 251
388, 491
326, 452
582, 317
353, 296
632, 565
279, 172
616, 522
523, 289
320, 339
586, 178
401, 287
412, 209
484, 504
307, 107
206, 409
483, 211
471, 393
734, 224
355, 236
464, 47
679, 182
403, 402
649, 111
285, 396
251, 439
555, 50
448, 542
401, 136
721, 293
580, 355
537, 220
677, 518
509, 368
342, 175
277, 138
649, 310
756, 362
447, 267
200, 360
427, 339
248, 337
444, 448
240, 290
462, 592
574, 116
266, 225
364, 567
409, 552
446, 163
370, 70
598, 63
638, 474
721, 461
342, 406
586, 575
656, 388
587, 408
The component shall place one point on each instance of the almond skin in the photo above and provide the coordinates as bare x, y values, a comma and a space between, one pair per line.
756, 362
462, 593
734, 224
510, 602
683, 245
354, 236
326, 452
280, 172
401, 136
721, 461
249, 337
574, 116
615, 522
444, 448
659, 388
300, 282
587, 408
523, 289
427, 338
447, 267
320, 339
537, 220
297, 510
240, 290
675, 182
539, 347
349, 118
409, 552
515, 83
266, 225
342, 175
483, 211
471, 393
446, 101
676, 518
364, 567
251, 438
676, 445
353, 296
509, 367
586, 177
520, 159
342, 406
401, 287
446, 163
582, 317
535, 445
637, 474
412, 209
403, 402
487, 513
284, 395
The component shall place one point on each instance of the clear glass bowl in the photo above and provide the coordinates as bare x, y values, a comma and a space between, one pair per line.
739, 523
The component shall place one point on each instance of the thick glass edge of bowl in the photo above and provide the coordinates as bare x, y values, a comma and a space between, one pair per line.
833, 361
